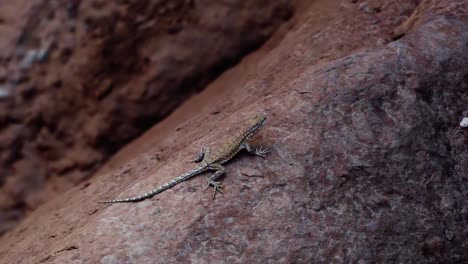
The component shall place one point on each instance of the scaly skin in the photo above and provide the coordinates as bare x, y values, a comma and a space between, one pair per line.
212, 162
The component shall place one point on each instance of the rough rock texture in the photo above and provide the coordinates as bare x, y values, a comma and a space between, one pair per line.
79, 79
368, 162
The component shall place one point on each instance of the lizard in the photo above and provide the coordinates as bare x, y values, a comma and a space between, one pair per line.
207, 161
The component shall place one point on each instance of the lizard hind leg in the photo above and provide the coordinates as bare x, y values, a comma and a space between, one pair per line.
204, 152
217, 186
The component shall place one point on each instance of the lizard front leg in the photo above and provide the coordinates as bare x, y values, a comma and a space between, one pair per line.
256, 151
219, 170
204, 152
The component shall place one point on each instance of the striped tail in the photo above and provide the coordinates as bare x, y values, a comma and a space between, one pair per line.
161, 188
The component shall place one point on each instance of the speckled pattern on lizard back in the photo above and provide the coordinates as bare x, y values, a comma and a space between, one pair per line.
213, 161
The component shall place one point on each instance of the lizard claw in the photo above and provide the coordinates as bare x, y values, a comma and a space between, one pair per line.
262, 152
216, 187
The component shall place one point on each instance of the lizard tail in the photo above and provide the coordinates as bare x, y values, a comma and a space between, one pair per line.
160, 189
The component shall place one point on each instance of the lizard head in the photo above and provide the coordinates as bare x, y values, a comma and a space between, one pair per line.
254, 124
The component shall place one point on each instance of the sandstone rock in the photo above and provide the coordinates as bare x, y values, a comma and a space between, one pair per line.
368, 163
93, 75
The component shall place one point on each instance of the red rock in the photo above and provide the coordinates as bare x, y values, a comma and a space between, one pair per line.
368, 164
90, 76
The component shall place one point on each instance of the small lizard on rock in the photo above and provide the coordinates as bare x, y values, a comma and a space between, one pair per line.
212, 162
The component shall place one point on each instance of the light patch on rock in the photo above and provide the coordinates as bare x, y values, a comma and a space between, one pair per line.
34, 56
4, 91
464, 122
109, 259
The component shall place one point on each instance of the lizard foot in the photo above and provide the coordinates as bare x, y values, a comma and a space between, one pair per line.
199, 158
217, 186
262, 152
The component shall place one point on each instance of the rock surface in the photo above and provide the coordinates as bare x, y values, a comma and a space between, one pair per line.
368, 162
86, 77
